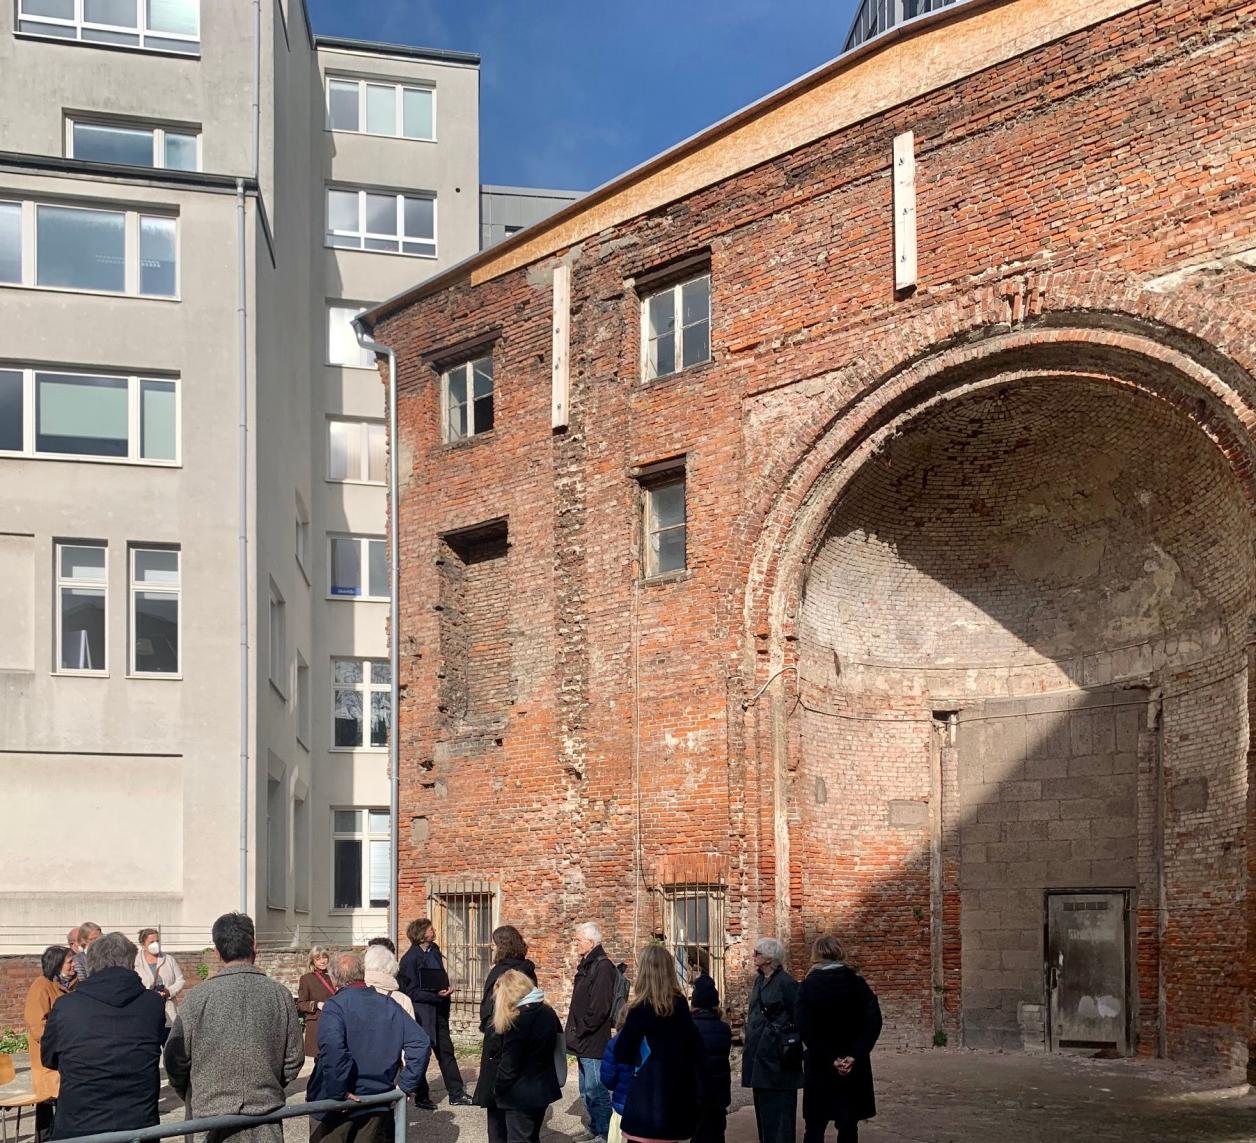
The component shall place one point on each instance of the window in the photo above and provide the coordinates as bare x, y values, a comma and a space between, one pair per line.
88, 416
664, 523
357, 451
303, 701
133, 145
158, 25
357, 567
155, 611
301, 543
468, 396
82, 604
676, 327
107, 251
361, 699
361, 859
11, 243
342, 342
693, 929
278, 658
463, 913
301, 855
371, 108
276, 844
382, 221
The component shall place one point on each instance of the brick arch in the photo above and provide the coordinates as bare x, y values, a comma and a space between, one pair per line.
1199, 359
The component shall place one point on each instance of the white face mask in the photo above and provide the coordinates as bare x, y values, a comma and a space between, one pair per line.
154, 947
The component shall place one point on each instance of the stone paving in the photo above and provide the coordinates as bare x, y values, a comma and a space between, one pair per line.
941, 1096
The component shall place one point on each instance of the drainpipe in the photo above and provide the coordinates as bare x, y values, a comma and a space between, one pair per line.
242, 313
257, 89
394, 636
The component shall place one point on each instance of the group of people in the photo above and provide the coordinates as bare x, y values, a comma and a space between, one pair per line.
664, 1071
67, 968
654, 1064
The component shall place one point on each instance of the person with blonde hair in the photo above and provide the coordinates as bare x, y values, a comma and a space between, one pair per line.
839, 1020
519, 1077
661, 1041
314, 989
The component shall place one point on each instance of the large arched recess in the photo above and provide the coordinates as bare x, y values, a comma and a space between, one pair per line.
1185, 375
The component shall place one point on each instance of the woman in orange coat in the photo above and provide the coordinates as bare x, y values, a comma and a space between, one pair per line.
55, 980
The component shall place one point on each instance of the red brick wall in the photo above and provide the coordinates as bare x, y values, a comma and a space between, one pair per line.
1053, 190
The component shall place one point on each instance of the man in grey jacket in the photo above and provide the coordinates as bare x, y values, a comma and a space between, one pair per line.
237, 1042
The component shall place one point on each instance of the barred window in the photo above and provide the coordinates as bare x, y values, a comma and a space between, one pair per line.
693, 930
464, 915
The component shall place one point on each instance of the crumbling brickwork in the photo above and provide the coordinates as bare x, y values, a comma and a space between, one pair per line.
1030, 476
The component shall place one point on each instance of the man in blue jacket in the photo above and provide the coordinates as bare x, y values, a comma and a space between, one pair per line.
363, 1037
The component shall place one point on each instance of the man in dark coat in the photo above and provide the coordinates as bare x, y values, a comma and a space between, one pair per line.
765, 1064
363, 1037
423, 977
589, 1025
105, 1039
839, 1020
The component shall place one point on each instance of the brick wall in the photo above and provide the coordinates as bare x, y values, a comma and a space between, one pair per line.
1031, 474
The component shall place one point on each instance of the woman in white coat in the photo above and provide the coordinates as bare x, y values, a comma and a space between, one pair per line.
159, 971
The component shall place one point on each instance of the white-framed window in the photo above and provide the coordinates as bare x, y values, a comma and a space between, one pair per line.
98, 250
383, 221
369, 107
357, 451
467, 394
133, 144
663, 519
676, 327
276, 843
301, 854
361, 859
343, 347
155, 607
155, 25
301, 540
278, 644
82, 608
89, 416
361, 704
357, 567
303, 701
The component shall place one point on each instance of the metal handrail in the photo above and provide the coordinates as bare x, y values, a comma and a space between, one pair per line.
288, 1111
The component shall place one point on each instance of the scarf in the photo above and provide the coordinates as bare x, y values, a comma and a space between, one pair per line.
536, 996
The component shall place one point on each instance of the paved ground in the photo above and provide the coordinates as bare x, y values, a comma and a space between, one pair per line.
949, 1096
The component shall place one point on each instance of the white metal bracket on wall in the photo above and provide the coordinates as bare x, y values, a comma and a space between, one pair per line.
905, 211
561, 349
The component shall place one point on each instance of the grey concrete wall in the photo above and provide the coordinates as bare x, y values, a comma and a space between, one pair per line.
1047, 799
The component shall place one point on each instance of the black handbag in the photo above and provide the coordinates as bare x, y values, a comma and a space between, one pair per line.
789, 1036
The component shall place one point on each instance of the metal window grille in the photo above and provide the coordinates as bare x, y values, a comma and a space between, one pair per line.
692, 928
464, 913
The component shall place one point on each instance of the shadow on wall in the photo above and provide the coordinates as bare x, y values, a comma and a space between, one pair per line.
1001, 594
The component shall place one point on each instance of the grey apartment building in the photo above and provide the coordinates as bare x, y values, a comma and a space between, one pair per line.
196, 197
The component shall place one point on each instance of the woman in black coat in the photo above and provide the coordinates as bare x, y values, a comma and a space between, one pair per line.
661, 1041
839, 1019
510, 950
519, 1077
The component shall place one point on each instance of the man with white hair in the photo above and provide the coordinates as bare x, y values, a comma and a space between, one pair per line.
589, 1025
363, 1038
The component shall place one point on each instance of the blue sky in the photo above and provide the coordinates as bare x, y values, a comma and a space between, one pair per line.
573, 93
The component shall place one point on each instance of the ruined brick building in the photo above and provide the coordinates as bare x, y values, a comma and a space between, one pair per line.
844, 521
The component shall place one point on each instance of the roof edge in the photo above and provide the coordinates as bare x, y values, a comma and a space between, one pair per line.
407, 51
848, 61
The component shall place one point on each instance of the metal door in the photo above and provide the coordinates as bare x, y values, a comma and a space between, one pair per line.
1087, 979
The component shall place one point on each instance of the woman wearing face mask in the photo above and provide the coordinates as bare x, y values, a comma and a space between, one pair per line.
56, 978
159, 971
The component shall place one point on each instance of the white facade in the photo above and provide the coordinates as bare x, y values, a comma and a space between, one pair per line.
123, 293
